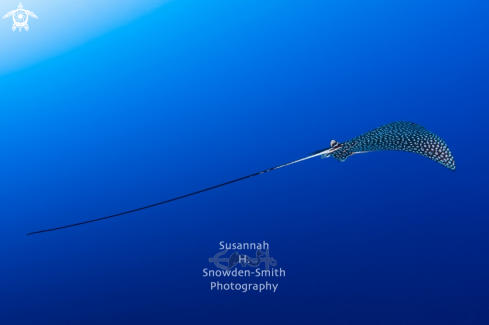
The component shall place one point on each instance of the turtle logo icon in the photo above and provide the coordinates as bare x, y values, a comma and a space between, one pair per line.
20, 17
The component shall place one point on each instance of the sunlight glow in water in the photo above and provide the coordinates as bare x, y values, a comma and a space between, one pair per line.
62, 25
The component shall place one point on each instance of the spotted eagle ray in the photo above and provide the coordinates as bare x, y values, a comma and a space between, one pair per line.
398, 136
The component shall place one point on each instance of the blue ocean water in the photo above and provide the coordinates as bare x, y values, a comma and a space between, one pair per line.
191, 94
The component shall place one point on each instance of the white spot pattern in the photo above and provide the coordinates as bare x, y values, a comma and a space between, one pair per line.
401, 136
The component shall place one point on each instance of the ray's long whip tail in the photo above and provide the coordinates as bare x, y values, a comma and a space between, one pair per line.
183, 196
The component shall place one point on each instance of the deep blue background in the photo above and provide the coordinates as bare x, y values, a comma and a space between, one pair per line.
202, 92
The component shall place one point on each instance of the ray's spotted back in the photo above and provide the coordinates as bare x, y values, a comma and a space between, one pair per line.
400, 136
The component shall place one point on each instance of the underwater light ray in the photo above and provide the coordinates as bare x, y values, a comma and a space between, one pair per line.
399, 136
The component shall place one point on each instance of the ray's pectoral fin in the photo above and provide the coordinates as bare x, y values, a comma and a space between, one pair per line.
399, 136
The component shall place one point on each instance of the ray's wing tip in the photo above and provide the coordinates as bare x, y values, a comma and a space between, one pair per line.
452, 167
